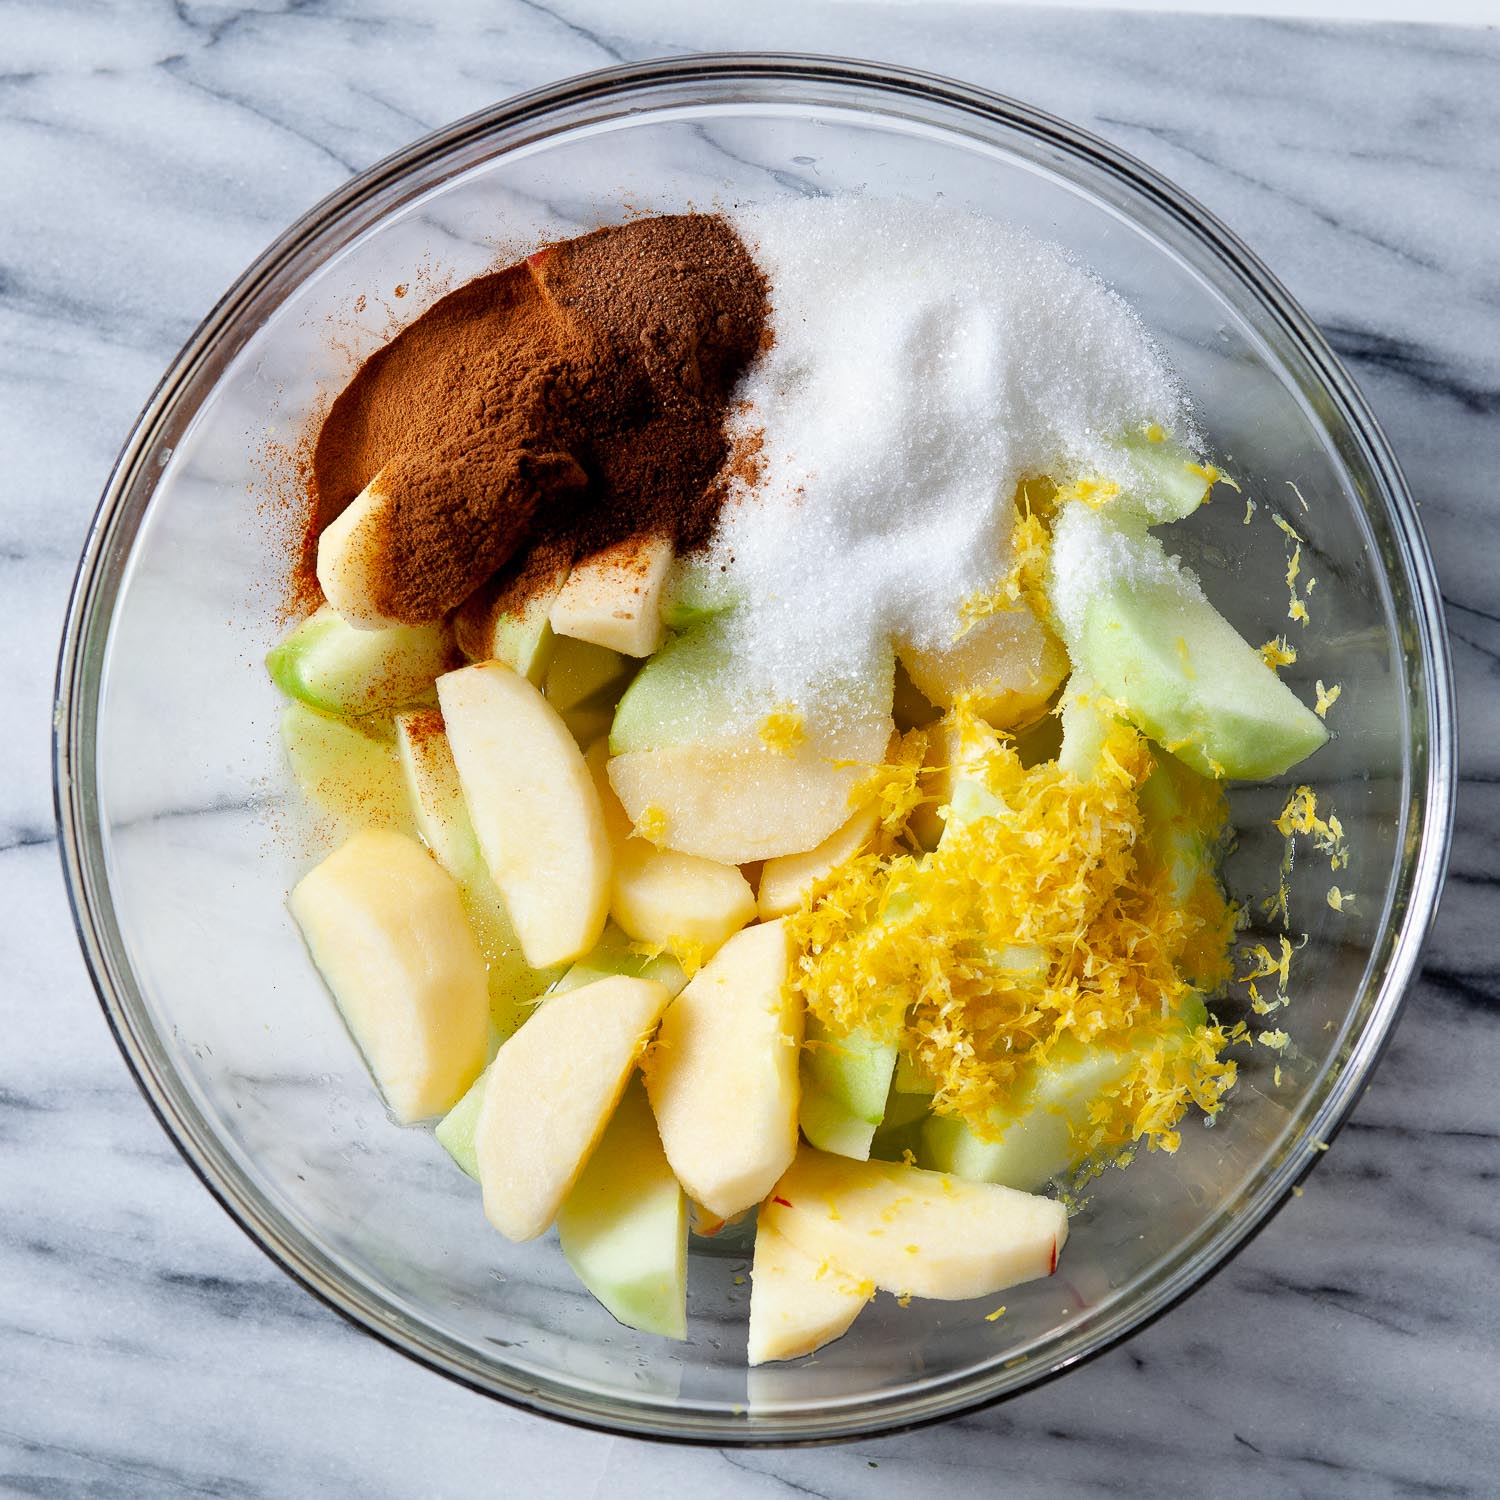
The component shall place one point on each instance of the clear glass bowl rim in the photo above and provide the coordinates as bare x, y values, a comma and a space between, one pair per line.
111, 536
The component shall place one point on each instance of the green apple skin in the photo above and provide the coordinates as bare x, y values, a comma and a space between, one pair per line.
455, 1131
612, 955
845, 1082
695, 591
329, 665
623, 1228
1159, 482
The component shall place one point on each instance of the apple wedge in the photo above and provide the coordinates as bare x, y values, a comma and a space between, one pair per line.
549, 1094
351, 550
347, 774
785, 880
623, 1228
442, 819
1007, 666
507, 619
660, 896
722, 1076
613, 954
337, 669
845, 1082
455, 1131
614, 597
534, 808
797, 1304
386, 928
909, 1230
1144, 634
954, 745
581, 670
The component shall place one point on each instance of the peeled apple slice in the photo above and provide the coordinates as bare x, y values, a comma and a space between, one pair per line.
908, 1230
953, 744
386, 928
455, 1131
797, 1304
623, 1228
681, 901
1159, 480
351, 550
786, 880
534, 808
613, 954
1147, 638
330, 665
550, 1093
442, 819
1007, 666
723, 1075
614, 597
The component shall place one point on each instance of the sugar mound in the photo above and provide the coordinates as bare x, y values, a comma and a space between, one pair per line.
925, 361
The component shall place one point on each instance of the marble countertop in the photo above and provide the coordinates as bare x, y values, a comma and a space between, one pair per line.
147, 152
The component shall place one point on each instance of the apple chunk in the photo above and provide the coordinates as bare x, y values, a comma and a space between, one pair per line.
614, 597
330, 665
1146, 637
723, 1074
845, 1082
351, 551
787, 879
534, 808
913, 1231
797, 1304
549, 1094
661, 896
507, 619
623, 1228
386, 928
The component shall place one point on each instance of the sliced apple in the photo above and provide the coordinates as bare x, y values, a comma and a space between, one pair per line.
723, 1075
660, 896
797, 1304
455, 1131
386, 928
613, 598
550, 1093
623, 1228
331, 666
351, 552
909, 1230
345, 770
1146, 637
581, 670
613, 954
534, 808
507, 620
735, 805
442, 819
1159, 480
787, 879
695, 590
845, 1082
1007, 666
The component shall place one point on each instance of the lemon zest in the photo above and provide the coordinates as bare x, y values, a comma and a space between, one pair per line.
1327, 697
783, 729
652, 824
1278, 652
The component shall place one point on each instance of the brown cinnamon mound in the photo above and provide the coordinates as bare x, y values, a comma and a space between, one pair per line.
577, 398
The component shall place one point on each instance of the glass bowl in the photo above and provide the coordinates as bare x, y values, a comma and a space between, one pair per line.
173, 802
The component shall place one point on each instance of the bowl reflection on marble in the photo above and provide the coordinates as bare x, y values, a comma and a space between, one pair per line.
170, 782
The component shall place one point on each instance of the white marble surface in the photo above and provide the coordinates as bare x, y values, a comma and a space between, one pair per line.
147, 151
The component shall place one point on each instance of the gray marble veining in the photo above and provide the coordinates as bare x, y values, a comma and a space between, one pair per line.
147, 152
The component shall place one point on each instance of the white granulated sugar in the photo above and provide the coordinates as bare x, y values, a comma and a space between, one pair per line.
925, 361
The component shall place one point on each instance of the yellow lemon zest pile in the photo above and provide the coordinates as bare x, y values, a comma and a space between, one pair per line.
783, 729
1025, 584
1213, 475
894, 787
687, 951
1031, 924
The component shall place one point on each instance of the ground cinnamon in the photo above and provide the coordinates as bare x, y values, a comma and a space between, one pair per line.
572, 400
